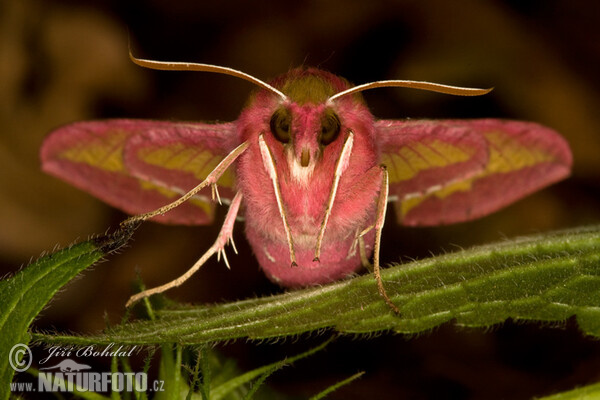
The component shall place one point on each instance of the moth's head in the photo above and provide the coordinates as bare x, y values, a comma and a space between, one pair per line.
305, 122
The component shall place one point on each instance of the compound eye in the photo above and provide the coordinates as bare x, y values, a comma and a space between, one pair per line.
281, 125
330, 127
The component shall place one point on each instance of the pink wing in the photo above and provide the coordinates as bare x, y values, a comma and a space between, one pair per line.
443, 172
139, 166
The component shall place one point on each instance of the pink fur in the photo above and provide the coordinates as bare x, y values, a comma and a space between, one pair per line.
305, 204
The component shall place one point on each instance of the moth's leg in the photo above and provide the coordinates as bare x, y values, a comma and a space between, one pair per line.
352, 249
269, 165
364, 260
379, 221
340, 167
218, 247
359, 242
211, 179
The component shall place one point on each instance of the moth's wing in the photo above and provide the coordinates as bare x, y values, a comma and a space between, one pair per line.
182, 155
139, 166
443, 172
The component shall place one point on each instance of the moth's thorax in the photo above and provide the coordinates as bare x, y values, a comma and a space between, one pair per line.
305, 85
309, 85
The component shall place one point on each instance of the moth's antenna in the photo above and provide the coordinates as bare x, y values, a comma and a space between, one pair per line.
421, 85
183, 66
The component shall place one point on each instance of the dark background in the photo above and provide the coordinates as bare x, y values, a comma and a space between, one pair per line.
63, 61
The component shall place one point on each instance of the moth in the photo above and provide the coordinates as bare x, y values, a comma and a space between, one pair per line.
312, 167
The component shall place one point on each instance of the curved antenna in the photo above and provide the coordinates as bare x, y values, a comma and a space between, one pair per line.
421, 85
183, 66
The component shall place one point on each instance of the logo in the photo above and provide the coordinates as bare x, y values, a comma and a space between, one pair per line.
68, 375
68, 366
17, 356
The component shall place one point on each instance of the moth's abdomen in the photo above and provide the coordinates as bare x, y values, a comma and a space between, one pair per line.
338, 260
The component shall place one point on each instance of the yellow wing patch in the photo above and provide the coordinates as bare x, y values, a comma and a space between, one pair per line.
506, 154
105, 152
410, 160
179, 157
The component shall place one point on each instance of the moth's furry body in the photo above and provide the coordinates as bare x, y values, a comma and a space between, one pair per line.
305, 189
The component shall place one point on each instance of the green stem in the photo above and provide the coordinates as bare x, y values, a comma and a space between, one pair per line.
548, 277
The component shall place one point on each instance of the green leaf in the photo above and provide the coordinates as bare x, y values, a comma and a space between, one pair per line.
175, 386
591, 392
224, 389
548, 277
23, 295
203, 365
336, 386
260, 380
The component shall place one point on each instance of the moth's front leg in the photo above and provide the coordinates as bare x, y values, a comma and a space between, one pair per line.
269, 165
225, 236
368, 184
379, 221
378, 173
341, 165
